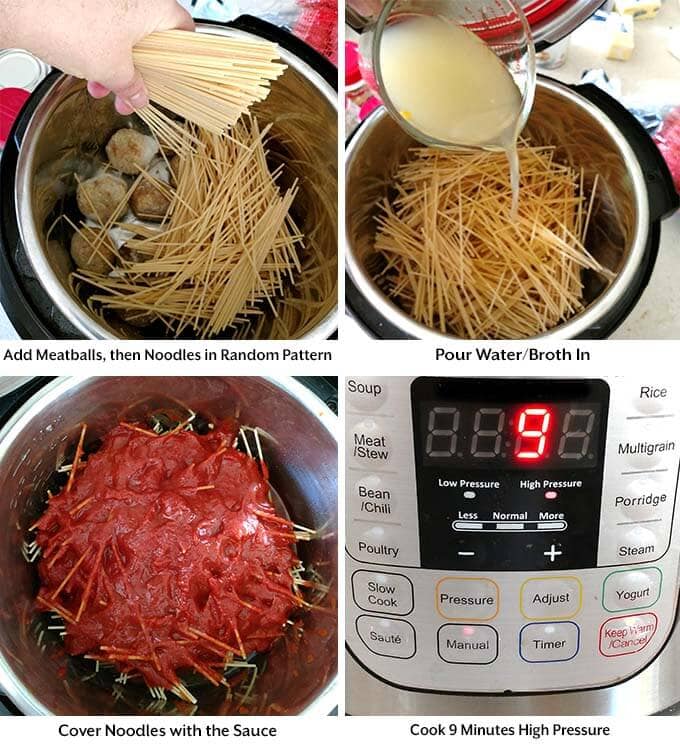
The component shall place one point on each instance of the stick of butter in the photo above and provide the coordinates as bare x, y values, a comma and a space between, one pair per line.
639, 9
620, 36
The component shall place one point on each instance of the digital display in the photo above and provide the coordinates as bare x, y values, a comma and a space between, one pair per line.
464, 434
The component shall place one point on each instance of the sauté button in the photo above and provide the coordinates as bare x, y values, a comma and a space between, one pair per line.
467, 599
549, 641
374, 499
627, 635
626, 590
366, 394
369, 445
558, 597
382, 592
467, 644
395, 638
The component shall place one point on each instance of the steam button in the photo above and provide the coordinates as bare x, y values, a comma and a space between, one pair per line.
638, 544
386, 637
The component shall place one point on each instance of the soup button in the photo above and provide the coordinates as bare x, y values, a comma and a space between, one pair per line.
395, 638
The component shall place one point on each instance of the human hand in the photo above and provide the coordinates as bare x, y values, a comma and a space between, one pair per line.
92, 39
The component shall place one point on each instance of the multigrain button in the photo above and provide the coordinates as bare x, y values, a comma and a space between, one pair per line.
549, 641
366, 394
369, 445
638, 544
627, 635
474, 599
374, 498
395, 638
647, 449
628, 590
382, 592
467, 644
557, 598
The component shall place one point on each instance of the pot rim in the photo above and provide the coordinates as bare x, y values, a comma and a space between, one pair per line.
20, 695
574, 327
90, 327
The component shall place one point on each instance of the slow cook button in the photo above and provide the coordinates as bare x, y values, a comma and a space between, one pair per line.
382, 592
373, 499
627, 635
638, 544
467, 599
366, 394
558, 597
467, 644
626, 590
395, 638
642, 498
549, 641
369, 445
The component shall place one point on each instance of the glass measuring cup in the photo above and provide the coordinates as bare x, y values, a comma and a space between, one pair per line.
501, 24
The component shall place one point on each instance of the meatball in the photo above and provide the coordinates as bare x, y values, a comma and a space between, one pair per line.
174, 168
137, 317
85, 257
102, 198
130, 151
148, 202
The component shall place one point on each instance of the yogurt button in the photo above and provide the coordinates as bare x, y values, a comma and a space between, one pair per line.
627, 590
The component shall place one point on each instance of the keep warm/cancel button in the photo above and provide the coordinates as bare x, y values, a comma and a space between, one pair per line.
628, 634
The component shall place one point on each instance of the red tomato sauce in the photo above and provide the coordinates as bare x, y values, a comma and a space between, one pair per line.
166, 555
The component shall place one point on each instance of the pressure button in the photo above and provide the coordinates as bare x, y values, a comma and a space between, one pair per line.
464, 599
395, 638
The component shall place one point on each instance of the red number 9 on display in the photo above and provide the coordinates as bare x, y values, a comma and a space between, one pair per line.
532, 429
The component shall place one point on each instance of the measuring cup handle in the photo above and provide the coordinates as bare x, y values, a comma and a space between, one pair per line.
24, 117
359, 14
663, 198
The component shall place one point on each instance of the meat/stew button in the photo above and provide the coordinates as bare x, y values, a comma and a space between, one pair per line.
628, 634
395, 638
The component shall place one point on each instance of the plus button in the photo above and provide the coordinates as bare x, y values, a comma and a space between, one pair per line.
553, 553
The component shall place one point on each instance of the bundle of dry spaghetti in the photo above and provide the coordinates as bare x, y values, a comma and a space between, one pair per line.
227, 252
208, 79
455, 261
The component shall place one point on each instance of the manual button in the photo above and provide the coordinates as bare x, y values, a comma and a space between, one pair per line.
549, 641
467, 644
475, 599
395, 638
557, 597
382, 592
626, 590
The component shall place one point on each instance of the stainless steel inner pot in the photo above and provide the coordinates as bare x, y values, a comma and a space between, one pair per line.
68, 125
301, 451
585, 137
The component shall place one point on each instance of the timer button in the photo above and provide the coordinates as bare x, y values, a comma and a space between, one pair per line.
369, 445
476, 599
549, 641
638, 544
374, 499
395, 638
556, 597
382, 592
366, 394
467, 644
627, 635
627, 590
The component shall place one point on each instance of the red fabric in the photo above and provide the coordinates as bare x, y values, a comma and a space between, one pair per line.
12, 100
317, 25
668, 141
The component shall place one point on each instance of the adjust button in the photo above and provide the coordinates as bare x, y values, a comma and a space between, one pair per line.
395, 638
474, 599
382, 592
549, 641
627, 635
557, 597
467, 644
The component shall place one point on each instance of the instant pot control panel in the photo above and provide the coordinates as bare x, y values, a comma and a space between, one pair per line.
510, 535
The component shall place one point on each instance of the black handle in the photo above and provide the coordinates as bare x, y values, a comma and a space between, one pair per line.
286, 39
663, 198
26, 112
325, 388
12, 400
